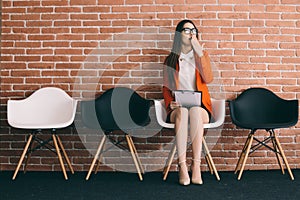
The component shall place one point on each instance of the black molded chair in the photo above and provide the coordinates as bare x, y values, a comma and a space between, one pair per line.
260, 108
118, 109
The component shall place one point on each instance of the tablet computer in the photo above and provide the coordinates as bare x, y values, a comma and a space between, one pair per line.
188, 98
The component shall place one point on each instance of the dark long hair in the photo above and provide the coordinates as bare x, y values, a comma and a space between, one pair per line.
172, 58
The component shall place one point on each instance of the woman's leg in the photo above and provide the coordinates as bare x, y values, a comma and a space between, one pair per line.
198, 117
180, 117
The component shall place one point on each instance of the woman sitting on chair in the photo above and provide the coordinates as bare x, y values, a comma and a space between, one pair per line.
188, 67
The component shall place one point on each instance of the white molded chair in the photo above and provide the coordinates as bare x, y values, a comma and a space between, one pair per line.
219, 115
47, 108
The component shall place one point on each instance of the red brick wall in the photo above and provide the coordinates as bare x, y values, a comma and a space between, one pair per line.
85, 47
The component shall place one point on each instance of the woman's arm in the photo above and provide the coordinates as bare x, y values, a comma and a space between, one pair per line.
204, 67
167, 93
202, 60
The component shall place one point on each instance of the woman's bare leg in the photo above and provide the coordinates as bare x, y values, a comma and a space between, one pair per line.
198, 116
180, 117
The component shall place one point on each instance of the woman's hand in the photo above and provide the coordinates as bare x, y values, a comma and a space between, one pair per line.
198, 48
174, 105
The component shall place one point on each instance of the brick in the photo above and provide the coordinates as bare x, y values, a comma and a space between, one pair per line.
137, 23
54, 3
249, 52
281, 67
293, 2
280, 8
249, 81
251, 66
27, 58
209, 2
248, 37
250, 8
218, 23
234, 30
84, 16
12, 66
284, 53
234, 59
38, 80
264, 16
234, 45
290, 60
281, 81
55, 58
280, 38
116, 2
265, 60
114, 16
280, 23
249, 23
264, 2
54, 73
79, 2
39, 51
263, 45
265, 30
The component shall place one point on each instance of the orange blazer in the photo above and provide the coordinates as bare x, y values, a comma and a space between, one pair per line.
203, 73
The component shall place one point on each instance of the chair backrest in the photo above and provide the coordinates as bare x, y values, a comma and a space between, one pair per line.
121, 108
260, 108
46, 108
88, 114
218, 114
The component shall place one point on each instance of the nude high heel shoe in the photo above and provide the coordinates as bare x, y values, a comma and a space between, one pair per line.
183, 180
196, 179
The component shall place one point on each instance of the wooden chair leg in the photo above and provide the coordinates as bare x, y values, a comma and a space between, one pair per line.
283, 156
65, 154
59, 157
242, 156
29, 154
169, 162
22, 156
209, 164
240, 161
98, 165
277, 156
246, 156
130, 145
96, 157
27, 160
210, 159
137, 157
100, 157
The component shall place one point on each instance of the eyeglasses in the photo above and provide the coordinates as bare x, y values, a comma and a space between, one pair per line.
188, 31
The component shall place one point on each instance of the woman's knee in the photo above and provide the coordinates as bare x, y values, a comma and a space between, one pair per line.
198, 112
182, 111
195, 110
179, 114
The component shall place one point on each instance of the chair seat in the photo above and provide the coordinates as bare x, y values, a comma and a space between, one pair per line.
265, 126
50, 125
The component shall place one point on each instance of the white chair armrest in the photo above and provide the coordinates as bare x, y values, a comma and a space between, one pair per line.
218, 113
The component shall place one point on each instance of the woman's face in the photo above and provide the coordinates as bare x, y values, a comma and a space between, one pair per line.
188, 31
